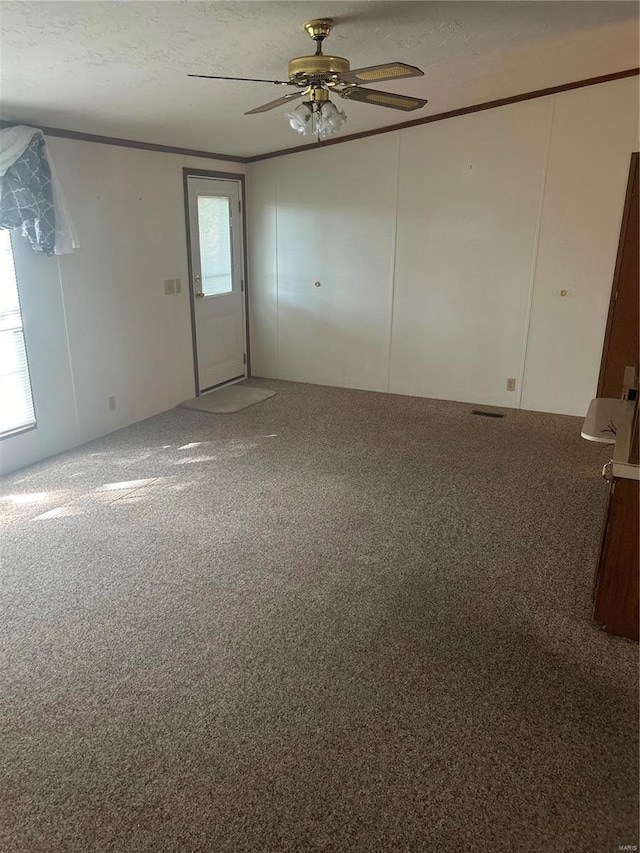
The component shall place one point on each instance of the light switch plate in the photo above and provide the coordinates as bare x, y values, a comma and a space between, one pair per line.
169, 286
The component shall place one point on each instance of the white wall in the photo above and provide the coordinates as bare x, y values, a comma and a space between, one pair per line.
97, 322
263, 269
594, 133
442, 250
468, 209
332, 334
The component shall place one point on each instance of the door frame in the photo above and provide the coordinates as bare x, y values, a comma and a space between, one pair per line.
222, 176
634, 165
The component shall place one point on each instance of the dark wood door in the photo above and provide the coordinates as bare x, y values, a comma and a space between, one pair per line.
621, 339
616, 592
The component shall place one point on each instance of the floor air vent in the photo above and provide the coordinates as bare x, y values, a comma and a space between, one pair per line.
487, 414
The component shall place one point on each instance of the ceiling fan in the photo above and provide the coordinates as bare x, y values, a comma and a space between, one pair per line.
319, 75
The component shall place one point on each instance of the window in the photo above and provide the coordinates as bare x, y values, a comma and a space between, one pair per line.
214, 222
16, 400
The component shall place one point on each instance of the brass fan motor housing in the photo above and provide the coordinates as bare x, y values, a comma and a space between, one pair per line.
320, 65
318, 27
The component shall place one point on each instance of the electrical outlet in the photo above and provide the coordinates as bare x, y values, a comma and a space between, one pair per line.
178, 286
169, 286
112, 404
511, 383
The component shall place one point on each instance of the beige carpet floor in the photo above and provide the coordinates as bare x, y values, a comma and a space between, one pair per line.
336, 621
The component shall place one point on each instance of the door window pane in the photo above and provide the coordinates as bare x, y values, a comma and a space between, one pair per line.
215, 245
16, 400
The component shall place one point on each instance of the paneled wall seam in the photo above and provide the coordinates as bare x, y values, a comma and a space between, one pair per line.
534, 253
69, 356
394, 245
277, 272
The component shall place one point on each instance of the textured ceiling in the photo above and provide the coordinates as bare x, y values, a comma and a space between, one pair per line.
119, 68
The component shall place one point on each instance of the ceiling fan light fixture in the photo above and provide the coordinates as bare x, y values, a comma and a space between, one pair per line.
330, 119
300, 119
317, 76
316, 119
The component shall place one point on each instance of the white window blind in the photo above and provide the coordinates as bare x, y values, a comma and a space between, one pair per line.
16, 399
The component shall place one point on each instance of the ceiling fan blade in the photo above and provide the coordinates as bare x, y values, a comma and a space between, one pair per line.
382, 99
243, 79
380, 73
277, 103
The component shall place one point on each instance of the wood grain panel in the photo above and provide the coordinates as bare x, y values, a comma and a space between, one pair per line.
621, 339
616, 604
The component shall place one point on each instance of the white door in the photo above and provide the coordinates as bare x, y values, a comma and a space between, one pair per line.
217, 285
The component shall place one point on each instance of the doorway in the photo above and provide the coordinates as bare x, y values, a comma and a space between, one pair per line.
216, 251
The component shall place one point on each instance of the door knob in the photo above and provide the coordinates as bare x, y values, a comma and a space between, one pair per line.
199, 294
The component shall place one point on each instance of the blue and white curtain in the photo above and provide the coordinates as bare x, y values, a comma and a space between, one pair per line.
31, 198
